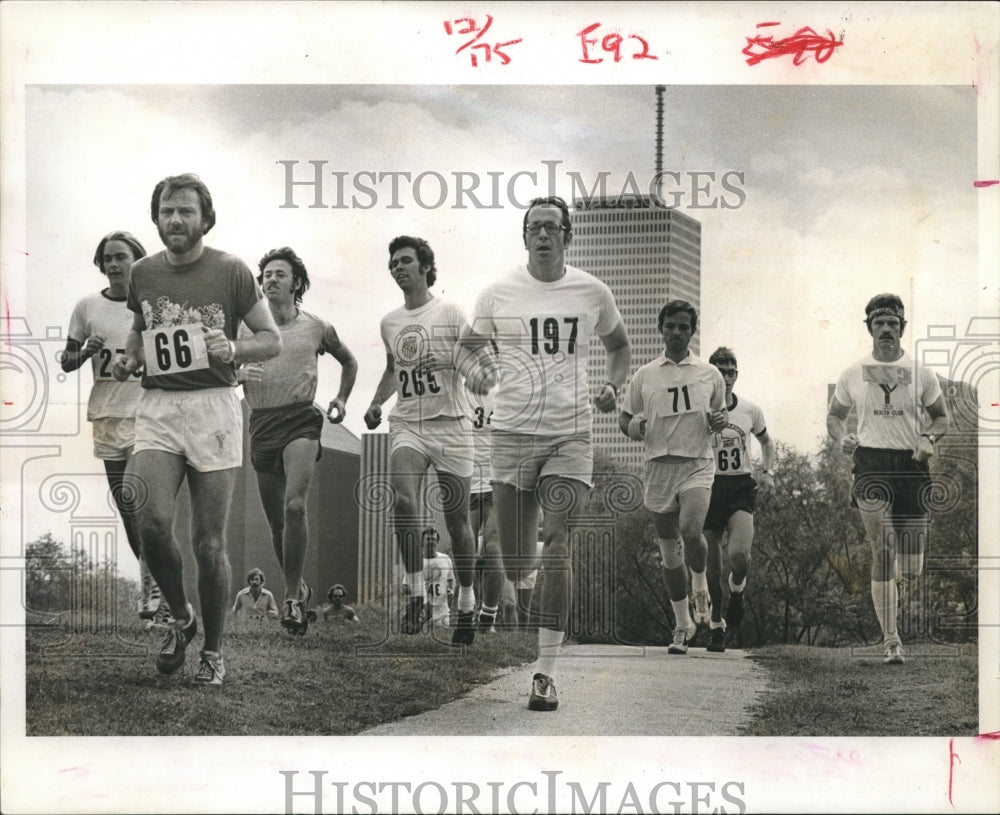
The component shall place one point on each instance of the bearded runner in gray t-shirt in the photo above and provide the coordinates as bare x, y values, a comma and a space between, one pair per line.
188, 302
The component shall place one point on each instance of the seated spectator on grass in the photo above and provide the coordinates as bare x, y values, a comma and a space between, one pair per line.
336, 608
255, 601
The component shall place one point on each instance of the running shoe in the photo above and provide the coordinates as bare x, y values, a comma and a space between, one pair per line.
211, 669
413, 616
487, 620
149, 602
702, 605
163, 618
465, 628
543, 693
894, 653
681, 637
175, 643
717, 643
293, 618
734, 611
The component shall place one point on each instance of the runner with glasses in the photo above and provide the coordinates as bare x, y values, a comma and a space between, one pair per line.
542, 316
734, 491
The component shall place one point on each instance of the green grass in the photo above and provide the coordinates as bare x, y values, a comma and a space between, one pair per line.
341, 679
834, 692
338, 679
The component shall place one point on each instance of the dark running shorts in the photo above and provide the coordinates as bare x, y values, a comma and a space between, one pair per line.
893, 477
730, 493
271, 429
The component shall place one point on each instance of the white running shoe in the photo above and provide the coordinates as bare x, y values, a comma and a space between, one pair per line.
894, 653
681, 638
211, 668
149, 602
702, 605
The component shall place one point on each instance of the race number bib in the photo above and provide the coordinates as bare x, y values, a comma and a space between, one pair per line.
675, 401
102, 362
174, 349
730, 456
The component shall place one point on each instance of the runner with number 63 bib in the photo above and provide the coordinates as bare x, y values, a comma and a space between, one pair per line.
734, 492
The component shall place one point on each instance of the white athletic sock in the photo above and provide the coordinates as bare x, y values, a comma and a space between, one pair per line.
699, 581
736, 588
681, 613
466, 598
886, 600
549, 643
415, 580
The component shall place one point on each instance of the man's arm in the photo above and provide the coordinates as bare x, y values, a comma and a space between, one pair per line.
348, 375
272, 607
836, 426
386, 388
718, 415
619, 361
475, 361
632, 426
76, 353
264, 344
940, 424
765, 478
134, 358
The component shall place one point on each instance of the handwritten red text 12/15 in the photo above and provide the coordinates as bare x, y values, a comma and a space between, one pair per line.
467, 25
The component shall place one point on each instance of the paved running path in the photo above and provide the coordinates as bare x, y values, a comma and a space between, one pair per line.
606, 691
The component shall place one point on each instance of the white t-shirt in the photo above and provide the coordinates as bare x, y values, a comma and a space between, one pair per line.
543, 330
438, 570
481, 418
99, 314
890, 398
732, 444
407, 334
675, 399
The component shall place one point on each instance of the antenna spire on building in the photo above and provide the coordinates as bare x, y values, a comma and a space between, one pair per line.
659, 140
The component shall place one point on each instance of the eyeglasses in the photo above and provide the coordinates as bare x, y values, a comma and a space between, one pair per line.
728, 374
550, 227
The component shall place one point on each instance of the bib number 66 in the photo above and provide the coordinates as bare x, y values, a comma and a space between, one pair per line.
174, 349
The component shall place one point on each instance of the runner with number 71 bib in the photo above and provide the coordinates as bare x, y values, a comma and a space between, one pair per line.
674, 404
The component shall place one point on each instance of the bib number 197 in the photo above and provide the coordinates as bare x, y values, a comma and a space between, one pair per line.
174, 349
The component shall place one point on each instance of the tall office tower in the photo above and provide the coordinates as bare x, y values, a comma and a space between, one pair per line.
647, 255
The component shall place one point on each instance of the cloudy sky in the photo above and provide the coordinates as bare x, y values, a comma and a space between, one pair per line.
848, 191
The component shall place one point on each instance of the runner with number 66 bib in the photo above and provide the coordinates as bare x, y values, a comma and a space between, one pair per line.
188, 302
